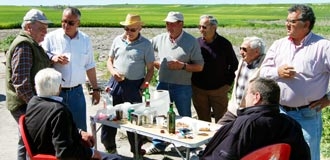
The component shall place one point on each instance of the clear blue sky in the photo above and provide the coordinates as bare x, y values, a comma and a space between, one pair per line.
105, 2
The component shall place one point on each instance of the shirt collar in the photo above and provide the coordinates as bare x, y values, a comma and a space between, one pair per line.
254, 64
214, 37
123, 38
177, 39
304, 41
56, 98
259, 109
76, 37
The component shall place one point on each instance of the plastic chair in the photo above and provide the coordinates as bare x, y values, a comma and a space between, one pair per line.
278, 151
32, 156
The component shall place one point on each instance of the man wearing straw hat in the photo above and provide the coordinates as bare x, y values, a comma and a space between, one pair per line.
130, 63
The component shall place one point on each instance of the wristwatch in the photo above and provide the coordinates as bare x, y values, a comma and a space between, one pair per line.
97, 89
184, 66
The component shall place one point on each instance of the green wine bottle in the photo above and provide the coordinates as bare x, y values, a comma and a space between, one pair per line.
171, 119
146, 94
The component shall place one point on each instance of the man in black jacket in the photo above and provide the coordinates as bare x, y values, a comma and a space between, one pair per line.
49, 123
258, 125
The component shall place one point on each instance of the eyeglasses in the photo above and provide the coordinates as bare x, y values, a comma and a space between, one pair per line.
71, 23
130, 29
202, 26
243, 48
293, 21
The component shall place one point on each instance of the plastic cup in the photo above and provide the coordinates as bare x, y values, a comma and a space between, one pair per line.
194, 127
68, 55
160, 122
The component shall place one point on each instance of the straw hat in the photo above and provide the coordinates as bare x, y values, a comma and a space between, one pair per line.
131, 19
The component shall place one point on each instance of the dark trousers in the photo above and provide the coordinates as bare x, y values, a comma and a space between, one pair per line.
21, 152
124, 91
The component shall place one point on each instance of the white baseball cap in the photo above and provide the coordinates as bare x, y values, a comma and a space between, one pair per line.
174, 17
36, 15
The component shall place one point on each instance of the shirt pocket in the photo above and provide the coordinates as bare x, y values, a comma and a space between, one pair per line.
310, 68
82, 56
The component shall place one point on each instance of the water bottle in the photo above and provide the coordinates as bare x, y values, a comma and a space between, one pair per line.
108, 102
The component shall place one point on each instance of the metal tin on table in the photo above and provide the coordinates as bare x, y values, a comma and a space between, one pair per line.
129, 111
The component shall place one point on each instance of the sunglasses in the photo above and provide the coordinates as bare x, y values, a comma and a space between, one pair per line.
293, 21
243, 48
130, 29
71, 23
201, 26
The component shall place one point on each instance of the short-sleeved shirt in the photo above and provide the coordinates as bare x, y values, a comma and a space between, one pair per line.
130, 59
185, 49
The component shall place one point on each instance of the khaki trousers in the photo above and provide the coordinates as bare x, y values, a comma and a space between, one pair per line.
205, 100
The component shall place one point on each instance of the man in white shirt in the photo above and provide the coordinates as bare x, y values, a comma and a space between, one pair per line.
71, 53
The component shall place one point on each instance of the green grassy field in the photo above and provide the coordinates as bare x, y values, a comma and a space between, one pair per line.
108, 16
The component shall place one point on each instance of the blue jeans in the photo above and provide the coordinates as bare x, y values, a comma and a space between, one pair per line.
75, 101
311, 123
21, 152
181, 96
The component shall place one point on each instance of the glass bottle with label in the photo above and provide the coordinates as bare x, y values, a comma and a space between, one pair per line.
146, 94
171, 119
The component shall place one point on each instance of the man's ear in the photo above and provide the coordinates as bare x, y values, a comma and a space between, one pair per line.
78, 23
28, 27
59, 89
257, 98
307, 24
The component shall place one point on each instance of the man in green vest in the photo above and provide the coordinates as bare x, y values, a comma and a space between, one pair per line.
25, 58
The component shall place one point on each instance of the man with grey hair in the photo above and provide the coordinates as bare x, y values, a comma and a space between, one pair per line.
210, 86
50, 122
25, 58
177, 55
300, 63
71, 52
252, 51
260, 123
